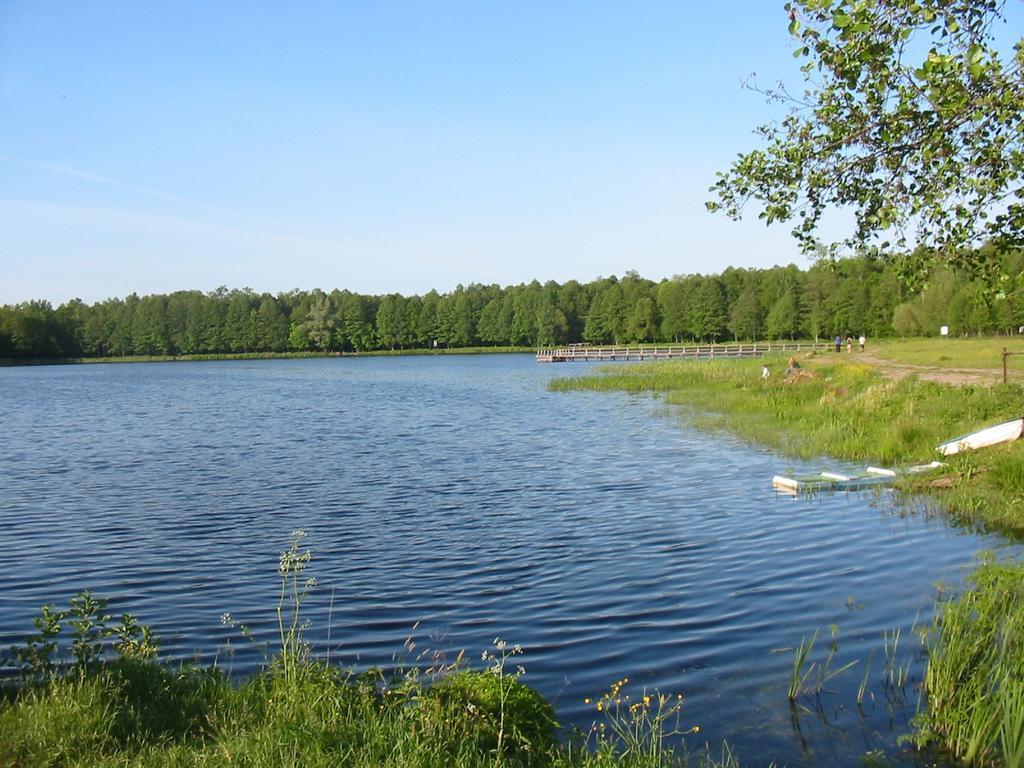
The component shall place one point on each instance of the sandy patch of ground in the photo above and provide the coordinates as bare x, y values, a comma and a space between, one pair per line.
940, 374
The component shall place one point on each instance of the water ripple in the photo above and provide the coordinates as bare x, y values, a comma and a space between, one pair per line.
455, 500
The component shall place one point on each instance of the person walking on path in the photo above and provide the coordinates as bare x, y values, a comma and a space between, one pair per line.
862, 340
839, 343
849, 344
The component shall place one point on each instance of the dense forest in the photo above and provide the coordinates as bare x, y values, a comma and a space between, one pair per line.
845, 296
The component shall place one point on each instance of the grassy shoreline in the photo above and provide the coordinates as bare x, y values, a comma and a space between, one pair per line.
836, 407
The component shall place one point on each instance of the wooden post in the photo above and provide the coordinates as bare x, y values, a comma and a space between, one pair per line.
1006, 354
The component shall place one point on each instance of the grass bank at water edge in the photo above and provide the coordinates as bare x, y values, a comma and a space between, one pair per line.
975, 674
844, 410
101, 698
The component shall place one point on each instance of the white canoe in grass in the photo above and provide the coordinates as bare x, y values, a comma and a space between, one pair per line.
1000, 433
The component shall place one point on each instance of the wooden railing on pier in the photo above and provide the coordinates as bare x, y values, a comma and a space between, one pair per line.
587, 353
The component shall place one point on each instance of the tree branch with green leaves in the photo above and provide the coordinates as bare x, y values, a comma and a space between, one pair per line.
912, 119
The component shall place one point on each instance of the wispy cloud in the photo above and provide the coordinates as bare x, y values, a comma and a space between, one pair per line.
221, 214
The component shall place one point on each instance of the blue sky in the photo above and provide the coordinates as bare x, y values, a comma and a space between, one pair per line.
375, 146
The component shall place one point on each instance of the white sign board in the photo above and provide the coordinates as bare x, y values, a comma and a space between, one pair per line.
944, 330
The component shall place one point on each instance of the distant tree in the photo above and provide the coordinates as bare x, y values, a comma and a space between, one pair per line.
149, 326
821, 281
239, 324
183, 333
353, 321
426, 320
455, 320
904, 320
271, 325
783, 319
6, 342
707, 313
848, 306
1003, 315
635, 288
122, 313
318, 323
672, 304
525, 313
734, 280
606, 320
643, 322
211, 321
931, 308
745, 317
298, 334
494, 327
969, 311
851, 295
574, 302
392, 321
552, 326
884, 293
32, 331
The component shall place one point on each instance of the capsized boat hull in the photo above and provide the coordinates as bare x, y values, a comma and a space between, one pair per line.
826, 481
835, 481
994, 435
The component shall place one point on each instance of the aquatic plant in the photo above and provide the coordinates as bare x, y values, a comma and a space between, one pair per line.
92, 638
802, 672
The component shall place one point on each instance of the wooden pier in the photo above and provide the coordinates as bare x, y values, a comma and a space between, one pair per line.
586, 353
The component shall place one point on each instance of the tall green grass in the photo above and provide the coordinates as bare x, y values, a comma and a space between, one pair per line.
975, 675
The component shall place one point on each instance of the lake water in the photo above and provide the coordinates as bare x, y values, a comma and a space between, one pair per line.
455, 500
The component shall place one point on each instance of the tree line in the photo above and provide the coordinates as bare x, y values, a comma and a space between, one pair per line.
843, 296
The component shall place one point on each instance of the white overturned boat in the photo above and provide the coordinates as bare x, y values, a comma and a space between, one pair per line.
1000, 433
836, 481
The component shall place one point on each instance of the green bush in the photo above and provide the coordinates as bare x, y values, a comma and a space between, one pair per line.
493, 703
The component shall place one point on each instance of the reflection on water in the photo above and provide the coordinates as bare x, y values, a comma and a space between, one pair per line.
458, 497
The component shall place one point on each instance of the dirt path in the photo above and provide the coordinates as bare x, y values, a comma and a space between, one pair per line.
941, 374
